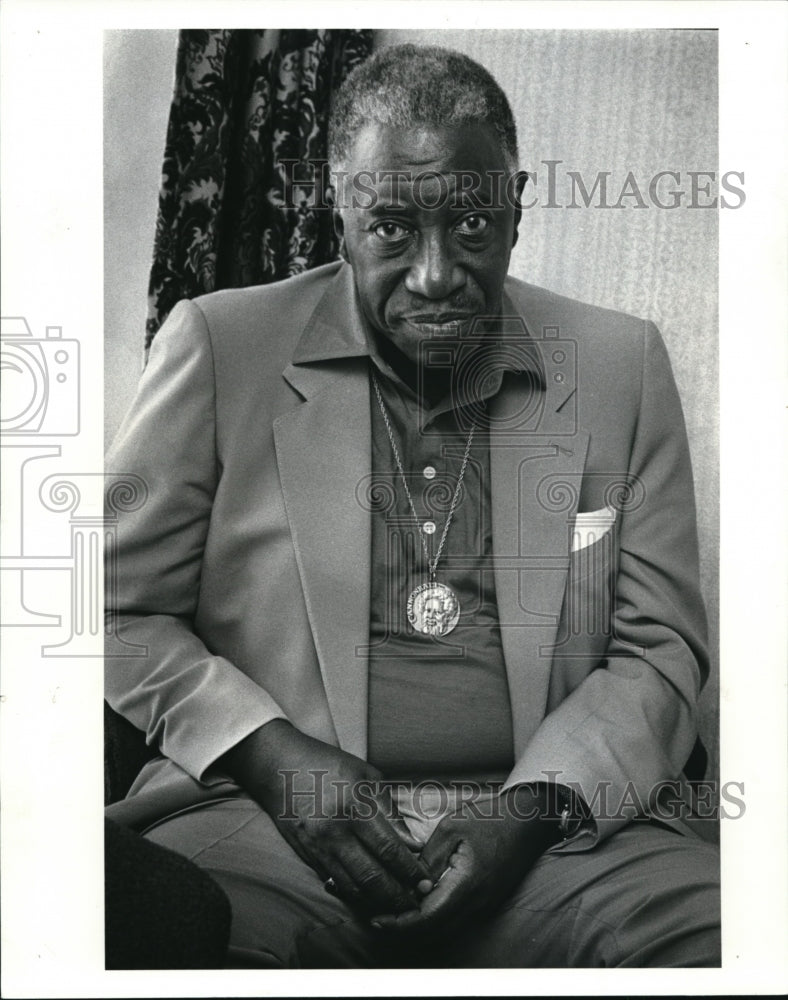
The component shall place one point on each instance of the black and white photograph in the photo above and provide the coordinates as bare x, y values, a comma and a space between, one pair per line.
388, 624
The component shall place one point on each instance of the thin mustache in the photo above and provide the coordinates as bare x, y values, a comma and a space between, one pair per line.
439, 318
441, 312
461, 302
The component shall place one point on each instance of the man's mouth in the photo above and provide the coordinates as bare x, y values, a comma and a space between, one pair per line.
439, 324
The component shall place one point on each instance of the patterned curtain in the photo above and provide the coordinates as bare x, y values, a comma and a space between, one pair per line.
238, 204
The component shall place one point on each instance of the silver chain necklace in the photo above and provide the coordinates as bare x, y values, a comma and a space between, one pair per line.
433, 608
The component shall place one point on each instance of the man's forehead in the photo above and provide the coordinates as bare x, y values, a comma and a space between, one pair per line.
391, 168
387, 149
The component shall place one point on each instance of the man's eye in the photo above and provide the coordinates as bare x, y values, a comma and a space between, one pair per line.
389, 230
473, 225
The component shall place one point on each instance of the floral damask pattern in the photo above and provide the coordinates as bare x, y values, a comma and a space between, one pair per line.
248, 126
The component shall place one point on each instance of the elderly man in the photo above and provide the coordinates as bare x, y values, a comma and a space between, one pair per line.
411, 610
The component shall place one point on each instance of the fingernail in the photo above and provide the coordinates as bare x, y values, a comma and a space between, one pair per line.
378, 926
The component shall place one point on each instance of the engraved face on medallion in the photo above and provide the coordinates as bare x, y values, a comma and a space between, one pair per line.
433, 609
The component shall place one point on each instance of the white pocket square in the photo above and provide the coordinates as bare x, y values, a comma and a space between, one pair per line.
591, 526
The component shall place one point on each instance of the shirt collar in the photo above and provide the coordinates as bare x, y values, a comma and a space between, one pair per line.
337, 330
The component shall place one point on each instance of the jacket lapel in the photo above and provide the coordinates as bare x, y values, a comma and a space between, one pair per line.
536, 472
323, 452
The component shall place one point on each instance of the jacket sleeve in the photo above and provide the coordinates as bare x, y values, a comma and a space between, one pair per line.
630, 725
191, 704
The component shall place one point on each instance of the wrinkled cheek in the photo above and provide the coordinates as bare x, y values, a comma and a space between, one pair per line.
374, 293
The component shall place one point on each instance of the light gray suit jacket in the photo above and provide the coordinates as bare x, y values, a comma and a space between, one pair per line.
239, 587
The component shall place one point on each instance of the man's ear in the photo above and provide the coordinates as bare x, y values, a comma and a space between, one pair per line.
520, 180
339, 229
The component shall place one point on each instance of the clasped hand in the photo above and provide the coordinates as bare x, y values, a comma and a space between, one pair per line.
476, 861
333, 811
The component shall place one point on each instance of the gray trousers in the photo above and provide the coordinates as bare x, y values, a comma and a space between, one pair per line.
645, 897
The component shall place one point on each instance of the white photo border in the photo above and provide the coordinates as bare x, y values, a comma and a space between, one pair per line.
53, 274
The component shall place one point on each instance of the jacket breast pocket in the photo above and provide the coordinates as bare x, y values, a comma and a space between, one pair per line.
591, 527
587, 614
587, 611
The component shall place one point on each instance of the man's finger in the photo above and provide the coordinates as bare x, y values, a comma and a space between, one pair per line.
405, 835
434, 910
363, 880
390, 810
439, 848
385, 843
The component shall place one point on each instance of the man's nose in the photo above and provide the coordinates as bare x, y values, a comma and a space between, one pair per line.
434, 274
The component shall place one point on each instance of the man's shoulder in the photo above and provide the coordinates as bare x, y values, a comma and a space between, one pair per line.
598, 328
255, 329
287, 303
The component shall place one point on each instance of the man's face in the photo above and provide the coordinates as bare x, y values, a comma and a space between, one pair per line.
426, 257
434, 615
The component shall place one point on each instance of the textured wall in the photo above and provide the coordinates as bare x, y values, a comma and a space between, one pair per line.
643, 101
139, 67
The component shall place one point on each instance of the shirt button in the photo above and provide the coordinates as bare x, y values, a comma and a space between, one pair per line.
429, 528
429, 472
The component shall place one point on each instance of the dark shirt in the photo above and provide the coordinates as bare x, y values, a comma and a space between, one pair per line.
438, 707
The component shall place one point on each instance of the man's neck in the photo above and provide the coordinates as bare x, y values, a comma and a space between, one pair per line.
430, 386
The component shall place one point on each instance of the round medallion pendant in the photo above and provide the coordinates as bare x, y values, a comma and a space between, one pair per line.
433, 609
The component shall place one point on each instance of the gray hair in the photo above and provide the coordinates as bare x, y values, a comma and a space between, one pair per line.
405, 86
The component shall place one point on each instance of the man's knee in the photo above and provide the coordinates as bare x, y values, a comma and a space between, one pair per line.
282, 917
647, 897
669, 912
